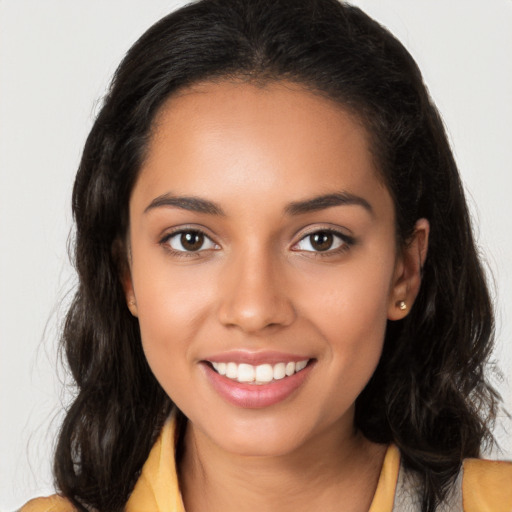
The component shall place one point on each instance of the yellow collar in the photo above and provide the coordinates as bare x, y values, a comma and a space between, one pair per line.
157, 488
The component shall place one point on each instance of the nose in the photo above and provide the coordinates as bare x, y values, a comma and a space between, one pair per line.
254, 294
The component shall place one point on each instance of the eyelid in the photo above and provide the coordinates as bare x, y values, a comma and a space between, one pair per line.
164, 240
347, 240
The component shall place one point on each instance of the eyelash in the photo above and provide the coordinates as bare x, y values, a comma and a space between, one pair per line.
345, 242
165, 241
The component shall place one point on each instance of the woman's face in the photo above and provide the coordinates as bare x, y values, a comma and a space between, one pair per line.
262, 240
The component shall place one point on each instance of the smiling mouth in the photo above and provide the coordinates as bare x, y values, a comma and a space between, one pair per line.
260, 374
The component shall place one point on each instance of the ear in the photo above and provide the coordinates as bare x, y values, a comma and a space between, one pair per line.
122, 257
407, 276
131, 302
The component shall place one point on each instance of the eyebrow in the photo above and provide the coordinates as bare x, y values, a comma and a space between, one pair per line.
190, 203
197, 204
327, 201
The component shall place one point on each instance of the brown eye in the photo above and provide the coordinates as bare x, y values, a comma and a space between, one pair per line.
322, 240
190, 241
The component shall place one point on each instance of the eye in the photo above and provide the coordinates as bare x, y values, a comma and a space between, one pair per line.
322, 241
189, 241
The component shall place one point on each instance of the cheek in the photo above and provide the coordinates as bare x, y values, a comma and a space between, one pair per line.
171, 311
351, 299
350, 313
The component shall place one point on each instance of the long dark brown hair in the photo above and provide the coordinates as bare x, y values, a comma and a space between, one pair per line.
429, 394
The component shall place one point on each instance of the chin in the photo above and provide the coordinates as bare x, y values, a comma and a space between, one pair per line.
267, 436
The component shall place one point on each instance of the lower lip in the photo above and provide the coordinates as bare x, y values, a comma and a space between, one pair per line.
256, 396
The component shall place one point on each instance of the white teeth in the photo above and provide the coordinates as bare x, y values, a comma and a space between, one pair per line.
231, 370
279, 371
261, 374
245, 373
264, 373
300, 365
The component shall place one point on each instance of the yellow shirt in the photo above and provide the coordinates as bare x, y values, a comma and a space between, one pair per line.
486, 485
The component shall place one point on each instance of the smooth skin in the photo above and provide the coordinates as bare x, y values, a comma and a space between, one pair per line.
252, 261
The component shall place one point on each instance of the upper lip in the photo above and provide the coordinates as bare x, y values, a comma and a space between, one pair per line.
255, 358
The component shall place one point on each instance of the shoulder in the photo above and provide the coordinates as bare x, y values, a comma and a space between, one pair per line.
53, 503
487, 485
481, 486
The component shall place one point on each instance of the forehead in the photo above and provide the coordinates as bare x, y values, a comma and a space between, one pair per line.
273, 107
219, 137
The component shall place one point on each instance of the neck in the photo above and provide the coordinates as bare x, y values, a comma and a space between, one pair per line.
338, 466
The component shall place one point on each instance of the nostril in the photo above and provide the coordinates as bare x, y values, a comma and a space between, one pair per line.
254, 315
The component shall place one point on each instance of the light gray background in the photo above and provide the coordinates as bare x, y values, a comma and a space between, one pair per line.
56, 58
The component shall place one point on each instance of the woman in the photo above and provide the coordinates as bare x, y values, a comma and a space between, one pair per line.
277, 276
